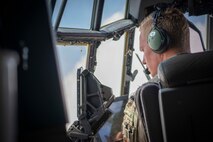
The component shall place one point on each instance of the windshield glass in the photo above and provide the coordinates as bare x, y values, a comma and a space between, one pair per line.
109, 64
113, 10
77, 14
70, 59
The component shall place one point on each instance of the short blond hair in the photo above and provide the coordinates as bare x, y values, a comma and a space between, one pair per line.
175, 24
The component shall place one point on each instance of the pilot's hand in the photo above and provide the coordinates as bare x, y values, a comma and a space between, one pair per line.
118, 137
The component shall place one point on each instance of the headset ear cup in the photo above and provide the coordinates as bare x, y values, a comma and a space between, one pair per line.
154, 39
158, 40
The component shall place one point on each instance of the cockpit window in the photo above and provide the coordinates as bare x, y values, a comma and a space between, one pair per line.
109, 64
77, 14
201, 23
70, 59
113, 10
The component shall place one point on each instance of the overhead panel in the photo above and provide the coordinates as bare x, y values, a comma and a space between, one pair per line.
138, 8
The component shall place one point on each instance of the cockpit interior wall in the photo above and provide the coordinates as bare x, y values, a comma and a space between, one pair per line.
41, 112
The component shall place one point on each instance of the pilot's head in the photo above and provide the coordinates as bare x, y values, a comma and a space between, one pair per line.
164, 33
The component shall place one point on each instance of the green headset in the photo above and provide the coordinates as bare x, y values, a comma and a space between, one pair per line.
158, 39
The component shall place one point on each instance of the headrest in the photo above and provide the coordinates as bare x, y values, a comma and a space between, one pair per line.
186, 69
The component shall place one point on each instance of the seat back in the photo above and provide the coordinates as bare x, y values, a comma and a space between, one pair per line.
179, 107
150, 110
185, 99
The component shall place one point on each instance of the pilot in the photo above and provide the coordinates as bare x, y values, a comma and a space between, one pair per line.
163, 34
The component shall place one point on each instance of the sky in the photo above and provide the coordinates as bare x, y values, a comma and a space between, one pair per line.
109, 55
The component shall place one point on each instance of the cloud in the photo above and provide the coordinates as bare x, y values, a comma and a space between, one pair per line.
109, 64
113, 18
70, 90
